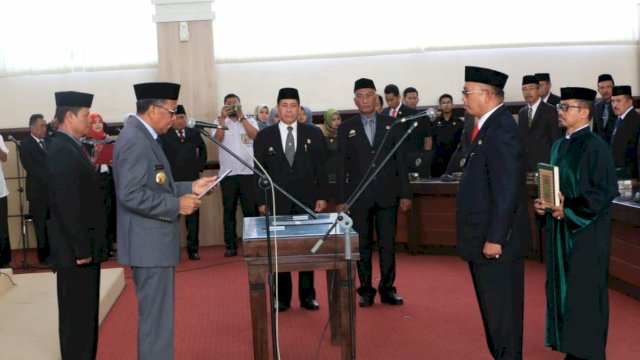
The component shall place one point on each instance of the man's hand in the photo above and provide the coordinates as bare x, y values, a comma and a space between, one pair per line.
200, 185
539, 206
491, 250
558, 211
84, 261
189, 203
405, 204
320, 205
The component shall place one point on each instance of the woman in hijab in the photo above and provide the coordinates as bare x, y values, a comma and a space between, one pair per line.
261, 114
332, 120
305, 116
274, 118
100, 148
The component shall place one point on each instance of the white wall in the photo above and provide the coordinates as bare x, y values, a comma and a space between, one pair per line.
327, 83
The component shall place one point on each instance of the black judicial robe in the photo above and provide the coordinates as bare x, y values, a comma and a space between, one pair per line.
578, 247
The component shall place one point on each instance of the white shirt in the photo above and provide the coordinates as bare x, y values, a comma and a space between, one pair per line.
534, 107
237, 140
3, 184
284, 132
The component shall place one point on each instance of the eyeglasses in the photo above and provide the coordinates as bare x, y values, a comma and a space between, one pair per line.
466, 93
565, 107
172, 112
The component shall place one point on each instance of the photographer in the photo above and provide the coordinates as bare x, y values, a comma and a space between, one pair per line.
239, 184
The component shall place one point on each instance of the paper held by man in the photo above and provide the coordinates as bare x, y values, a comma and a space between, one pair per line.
549, 185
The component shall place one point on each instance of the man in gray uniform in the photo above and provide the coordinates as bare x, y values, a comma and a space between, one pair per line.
150, 203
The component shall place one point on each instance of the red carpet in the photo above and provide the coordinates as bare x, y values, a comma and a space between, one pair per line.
440, 318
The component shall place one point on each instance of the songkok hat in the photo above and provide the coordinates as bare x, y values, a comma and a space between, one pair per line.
578, 93
157, 90
180, 110
73, 99
604, 77
485, 76
288, 93
543, 76
529, 79
363, 83
621, 90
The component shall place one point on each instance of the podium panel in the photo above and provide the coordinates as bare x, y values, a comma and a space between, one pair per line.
294, 237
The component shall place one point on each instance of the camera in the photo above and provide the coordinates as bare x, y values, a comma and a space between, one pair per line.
232, 110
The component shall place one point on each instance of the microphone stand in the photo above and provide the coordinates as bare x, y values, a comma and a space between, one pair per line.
346, 222
265, 183
23, 225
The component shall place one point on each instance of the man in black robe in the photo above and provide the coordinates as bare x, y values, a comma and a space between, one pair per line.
577, 252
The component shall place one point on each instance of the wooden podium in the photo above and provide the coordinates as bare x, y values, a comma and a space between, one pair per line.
296, 235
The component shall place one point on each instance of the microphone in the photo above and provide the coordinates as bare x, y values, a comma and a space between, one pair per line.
11, 138
193, 123
429, 112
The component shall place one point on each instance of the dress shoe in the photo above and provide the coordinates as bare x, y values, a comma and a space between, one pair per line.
310, 304
366, 300
230, 252
281, 307
194, 256
391, 298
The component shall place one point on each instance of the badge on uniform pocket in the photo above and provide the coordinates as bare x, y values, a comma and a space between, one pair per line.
161, 177
352, 133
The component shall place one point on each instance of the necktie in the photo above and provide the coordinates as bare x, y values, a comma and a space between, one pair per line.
476, 129
394, 112
605, 115
41, 142
370, 130
530, 115
617, 126
289, 148
159, 141
181, 135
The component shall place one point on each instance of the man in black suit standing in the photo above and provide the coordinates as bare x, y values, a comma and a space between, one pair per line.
544, 81
33, 156
624, 139
77, 228
187, 155
359, 139
538, 124
603, 117
293, 154
492, 218
420, 138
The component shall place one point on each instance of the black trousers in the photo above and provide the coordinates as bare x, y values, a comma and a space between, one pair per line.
5, 244
384, 221
39, 209
78, 300
107, 187
234, 188
192, 222
499, 289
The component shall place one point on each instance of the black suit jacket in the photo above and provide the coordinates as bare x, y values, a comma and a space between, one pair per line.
306, 179
491, 199
598, 123
77, 225
415, 140
34, 161
553, 99
624, 145
538, 137
187, 159
355, 154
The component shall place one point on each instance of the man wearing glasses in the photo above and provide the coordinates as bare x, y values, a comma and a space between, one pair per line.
577, 253
150, 203
492, 218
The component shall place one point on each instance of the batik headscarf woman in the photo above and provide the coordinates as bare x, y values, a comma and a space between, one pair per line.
261, 114
332, 120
